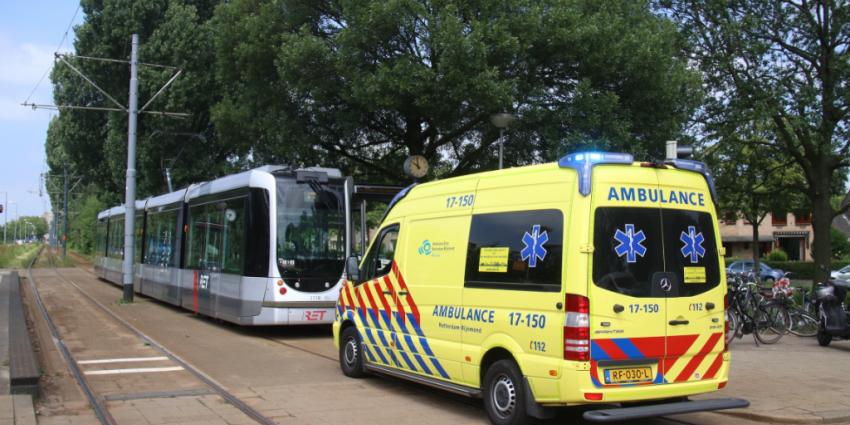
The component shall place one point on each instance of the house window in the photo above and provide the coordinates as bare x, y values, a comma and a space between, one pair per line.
802, 218
779, 219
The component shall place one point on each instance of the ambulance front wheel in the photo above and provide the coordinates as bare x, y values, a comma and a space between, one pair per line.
504, 394
351, 353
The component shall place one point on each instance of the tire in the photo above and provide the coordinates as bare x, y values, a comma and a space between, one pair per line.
734, 324
824, 338
504, 394
802, 324
351, 353
771, 322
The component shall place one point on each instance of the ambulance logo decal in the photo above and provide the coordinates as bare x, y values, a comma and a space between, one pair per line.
693, 244
631, 243
534, 246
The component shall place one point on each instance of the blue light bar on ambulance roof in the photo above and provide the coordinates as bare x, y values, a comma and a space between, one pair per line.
695, 166
583, 162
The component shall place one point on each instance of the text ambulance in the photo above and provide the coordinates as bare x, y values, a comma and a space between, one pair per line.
592, 280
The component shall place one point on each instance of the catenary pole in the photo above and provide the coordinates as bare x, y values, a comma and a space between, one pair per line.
65, 217
130, 208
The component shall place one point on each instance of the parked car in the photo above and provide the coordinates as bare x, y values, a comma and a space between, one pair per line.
768, 274
841, 274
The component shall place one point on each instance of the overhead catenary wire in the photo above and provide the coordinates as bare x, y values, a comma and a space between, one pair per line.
58, 47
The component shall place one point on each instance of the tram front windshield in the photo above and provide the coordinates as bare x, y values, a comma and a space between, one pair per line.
310, 233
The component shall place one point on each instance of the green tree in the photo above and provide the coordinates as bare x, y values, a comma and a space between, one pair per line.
751, 182
788, 61
365, 83
26, 227
92, 143
840, 245
82, 231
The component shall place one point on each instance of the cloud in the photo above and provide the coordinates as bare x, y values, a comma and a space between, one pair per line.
23, 66
24, 63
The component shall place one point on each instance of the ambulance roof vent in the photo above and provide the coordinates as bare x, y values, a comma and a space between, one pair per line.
583, 162
698, 167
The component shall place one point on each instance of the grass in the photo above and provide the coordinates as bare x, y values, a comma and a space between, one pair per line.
17, 256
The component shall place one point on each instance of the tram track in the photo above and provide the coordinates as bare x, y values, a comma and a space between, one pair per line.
98, 403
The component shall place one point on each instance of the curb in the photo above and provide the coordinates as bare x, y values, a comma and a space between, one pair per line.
825, 417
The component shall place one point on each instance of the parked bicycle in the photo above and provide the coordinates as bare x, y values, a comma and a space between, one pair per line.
750, 312
802, 318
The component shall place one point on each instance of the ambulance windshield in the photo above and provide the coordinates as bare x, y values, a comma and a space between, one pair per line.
650, 252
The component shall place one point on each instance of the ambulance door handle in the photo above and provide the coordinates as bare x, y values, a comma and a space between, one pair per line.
387, 292
679, 322
402, 293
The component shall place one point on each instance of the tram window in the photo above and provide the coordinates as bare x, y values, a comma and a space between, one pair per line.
101, 237
116, 237
233, 239
139, 225
217, 236
161, 238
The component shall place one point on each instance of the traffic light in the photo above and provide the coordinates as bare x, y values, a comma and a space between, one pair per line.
1, 208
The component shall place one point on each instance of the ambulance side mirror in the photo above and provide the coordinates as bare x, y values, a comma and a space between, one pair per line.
352, 269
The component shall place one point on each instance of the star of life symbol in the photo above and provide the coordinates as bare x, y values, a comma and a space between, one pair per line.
534, 245
631, 243
693, 244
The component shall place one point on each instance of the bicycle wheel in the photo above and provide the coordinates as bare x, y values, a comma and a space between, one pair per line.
802, 324
733, 322
771, 322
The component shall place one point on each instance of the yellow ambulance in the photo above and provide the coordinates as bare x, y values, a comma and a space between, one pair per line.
596, 279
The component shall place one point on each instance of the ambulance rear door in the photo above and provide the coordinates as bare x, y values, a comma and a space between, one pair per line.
626, 292
695, 342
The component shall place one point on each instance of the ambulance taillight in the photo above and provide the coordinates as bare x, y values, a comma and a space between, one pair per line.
577, 328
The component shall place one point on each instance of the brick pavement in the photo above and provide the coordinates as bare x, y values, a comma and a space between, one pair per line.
792, 381
785, 382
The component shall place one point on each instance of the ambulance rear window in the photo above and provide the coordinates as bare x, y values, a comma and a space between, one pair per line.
516, 250
634, 247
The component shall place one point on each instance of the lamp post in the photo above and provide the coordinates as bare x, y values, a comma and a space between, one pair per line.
15, 236
501, 121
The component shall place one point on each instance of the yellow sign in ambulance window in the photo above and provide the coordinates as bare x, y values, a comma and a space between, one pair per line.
493, 260
694, 274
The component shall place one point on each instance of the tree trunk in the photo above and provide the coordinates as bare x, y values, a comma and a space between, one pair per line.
821, 224
756, 251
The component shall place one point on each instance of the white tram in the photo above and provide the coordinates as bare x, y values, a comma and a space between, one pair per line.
262, 247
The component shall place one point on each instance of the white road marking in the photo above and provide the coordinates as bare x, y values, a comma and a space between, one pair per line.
137, 370
128, 359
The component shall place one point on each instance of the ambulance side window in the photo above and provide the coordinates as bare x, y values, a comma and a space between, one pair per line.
519, 250
379, 260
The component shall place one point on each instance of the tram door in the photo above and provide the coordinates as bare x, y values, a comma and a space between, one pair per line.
205, 246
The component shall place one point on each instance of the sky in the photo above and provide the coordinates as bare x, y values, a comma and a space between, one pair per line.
30, 32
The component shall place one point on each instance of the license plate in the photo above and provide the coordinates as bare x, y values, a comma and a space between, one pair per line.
628, 375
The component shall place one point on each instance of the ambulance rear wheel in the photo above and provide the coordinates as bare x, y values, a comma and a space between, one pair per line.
351, 353
504, 394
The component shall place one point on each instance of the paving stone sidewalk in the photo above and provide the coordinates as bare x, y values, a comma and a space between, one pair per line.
16, 409
792, 381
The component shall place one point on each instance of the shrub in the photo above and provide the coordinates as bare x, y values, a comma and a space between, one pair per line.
801, 269
777, 255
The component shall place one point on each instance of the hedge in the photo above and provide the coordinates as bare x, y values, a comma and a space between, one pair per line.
801, 269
